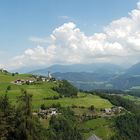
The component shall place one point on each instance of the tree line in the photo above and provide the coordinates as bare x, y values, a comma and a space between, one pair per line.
18, 122
66, 89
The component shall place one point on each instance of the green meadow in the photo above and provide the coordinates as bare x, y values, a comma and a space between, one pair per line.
86, 101
44, 90
132, 98
102, 127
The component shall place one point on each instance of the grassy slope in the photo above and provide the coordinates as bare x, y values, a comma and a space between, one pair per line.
84, 101
7, 78
132, 98
102, 127
43, 90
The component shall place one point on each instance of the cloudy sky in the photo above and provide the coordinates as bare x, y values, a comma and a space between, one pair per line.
40, 33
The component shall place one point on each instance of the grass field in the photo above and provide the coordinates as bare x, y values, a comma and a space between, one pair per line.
102, 127
84, 101
132, 98
39, 92
44, 90
7, 78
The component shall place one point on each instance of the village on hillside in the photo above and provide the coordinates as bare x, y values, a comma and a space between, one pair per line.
34, 79
48, 112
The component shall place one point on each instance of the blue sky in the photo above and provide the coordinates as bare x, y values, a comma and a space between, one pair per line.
22, 19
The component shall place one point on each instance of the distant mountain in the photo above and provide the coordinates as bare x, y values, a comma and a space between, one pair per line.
86, 80
90, 68
96, 75
125, 81
134, 70
83, 76
130, 79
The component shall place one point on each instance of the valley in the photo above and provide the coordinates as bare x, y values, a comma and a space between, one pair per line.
43, 93
96, 75
96, 112
70, 70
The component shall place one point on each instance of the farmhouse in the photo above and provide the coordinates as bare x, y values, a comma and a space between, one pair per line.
108, 111
46, 113
43, 79
112, 110
19, 82
117, 109
1, 70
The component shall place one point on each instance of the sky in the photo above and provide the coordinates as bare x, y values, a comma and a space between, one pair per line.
40, 33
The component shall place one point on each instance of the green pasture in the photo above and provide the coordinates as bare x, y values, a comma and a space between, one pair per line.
44, 90
132, 98
86, 101
102, 127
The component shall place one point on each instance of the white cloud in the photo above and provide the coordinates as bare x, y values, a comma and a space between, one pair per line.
119, 42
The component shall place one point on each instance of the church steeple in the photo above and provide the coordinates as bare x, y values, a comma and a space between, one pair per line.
49, 75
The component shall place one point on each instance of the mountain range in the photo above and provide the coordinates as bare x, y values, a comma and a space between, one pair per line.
90, 68
96, 75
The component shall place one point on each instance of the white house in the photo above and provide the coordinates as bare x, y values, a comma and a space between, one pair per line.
108, 110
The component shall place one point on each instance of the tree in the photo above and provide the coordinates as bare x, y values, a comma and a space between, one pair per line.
8, 88
7, 115
18, 123
43, 107
27, 126
63, 127
13, 74
128, 127
66, 89
92, 108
